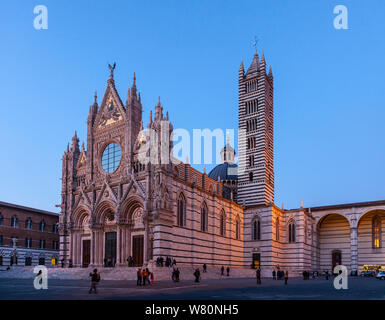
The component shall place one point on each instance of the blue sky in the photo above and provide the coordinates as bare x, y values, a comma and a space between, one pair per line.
329, 85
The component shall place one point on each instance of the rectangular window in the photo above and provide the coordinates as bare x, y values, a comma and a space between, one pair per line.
42, 244
1, 240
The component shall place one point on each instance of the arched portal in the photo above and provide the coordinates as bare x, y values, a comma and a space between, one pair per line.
136, 242
81, 238
334, 242
370, 231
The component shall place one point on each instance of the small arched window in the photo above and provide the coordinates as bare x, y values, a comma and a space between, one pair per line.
376, 232
222, 227
1, 219
42, 226
237, 228
28, 223
291, 232
55, 228
277, 229
256, 229
204, 217
181, 211
14, 221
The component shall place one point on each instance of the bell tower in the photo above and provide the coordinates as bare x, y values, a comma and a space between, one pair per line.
255, 124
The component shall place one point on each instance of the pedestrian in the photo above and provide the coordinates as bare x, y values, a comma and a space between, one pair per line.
173, 277
152, 278
274, 273
222, 271
204, 268
327, 275
144, 277
286, 276
228, 271
177, 273
258, 276
174, 262
197, 275
148, 276
139, 277
95, 278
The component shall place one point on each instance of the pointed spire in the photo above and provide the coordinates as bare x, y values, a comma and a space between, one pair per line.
96, 97
270, 75
254, 66
83, 149
139, 98
241, 66
150, 116
75, 143
158, 110
68, 147
263, 57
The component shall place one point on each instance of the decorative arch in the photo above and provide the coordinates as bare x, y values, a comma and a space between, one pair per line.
291, 231
129, 207
237, 228
80, 217
369, 228
204, 217
105, 210
181, 210
256, 228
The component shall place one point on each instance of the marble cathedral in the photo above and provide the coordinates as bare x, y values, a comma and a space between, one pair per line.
114, 206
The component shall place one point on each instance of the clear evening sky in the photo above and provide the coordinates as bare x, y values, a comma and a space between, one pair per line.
328, 99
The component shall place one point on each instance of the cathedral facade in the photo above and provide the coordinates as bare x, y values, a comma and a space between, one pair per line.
116, 206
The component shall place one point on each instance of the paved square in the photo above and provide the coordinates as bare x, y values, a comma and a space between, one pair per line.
226, 288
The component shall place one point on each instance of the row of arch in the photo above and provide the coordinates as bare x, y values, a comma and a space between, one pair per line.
181, 218
105, 213
376, 228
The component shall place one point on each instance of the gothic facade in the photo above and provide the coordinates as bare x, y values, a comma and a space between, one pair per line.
115, 206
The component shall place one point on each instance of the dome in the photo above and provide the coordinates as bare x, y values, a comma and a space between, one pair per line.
226, 171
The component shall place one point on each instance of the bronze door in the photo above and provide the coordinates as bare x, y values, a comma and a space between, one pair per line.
110, 249
86, 253
137, 250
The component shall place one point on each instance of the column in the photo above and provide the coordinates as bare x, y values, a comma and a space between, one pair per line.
354, 249
118, 245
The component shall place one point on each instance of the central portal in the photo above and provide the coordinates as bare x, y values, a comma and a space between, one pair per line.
110, 249
137, 250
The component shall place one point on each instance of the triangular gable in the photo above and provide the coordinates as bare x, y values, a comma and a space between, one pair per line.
82, 160
111, 109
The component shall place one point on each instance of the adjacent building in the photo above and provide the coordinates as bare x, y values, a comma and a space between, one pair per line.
28, 236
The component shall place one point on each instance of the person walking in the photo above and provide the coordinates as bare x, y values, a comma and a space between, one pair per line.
274, 275
286, 276
197, 275
177, 273
228, 271
204, 268
152, 278
258, 276
95, 278
139, 277
222, 271
148, 276
144, 277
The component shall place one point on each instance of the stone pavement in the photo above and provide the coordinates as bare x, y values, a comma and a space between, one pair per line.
226, 288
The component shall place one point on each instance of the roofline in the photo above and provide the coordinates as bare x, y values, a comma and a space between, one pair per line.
343, 205
16, 206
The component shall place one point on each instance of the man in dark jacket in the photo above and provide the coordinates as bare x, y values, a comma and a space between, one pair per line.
258, 276
95, 278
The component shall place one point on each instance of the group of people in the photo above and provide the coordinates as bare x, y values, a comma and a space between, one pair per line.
279, 274
144, 276
168, 262
227, 271
131, 261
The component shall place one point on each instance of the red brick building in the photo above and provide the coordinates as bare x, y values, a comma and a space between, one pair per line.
27, 236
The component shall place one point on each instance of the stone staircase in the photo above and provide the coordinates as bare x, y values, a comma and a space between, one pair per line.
123, 273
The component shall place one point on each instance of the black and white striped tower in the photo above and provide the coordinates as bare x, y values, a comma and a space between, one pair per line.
255, 120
